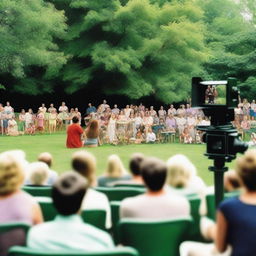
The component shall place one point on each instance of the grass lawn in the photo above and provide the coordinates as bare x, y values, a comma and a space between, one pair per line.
55, 144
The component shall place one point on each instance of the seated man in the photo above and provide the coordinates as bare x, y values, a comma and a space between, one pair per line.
67, 230
156, 202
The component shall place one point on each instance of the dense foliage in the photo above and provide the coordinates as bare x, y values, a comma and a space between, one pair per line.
128, 47
27, 32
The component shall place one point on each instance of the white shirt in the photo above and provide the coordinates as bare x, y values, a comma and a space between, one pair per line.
97, 200
28, 117
155, 207
151, 137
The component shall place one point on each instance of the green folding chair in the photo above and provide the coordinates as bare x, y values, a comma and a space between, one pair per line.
95, 217
153, 237
129, 185
38, 190
47, 207
115, 207
194, 233
210, 202
120, 193
12, 234
23, 251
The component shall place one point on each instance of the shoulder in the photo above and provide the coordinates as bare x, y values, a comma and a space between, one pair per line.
229, 205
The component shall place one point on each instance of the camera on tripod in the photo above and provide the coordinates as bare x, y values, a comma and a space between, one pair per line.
218, 99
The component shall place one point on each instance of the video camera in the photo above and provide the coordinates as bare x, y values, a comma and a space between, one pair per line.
218, 99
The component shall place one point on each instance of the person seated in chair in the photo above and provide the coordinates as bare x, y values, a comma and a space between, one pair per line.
156, 202
68, 231
135, 169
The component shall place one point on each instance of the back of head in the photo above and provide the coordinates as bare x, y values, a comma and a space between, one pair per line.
11, 171
180, 171
115, 167
46, 158
84, 163
135, 163
75, 120
38, 173
153, 171
246, 169
68, 193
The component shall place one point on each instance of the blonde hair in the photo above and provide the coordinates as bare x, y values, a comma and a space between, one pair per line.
38, 173
85, 163
179, 171
246, 169
115, 167
11, 171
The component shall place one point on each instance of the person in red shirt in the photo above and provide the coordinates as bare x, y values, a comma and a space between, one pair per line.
74, 134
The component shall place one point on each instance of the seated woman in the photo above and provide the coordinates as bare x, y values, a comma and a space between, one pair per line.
115, 172
182, 176
12, 127
15, 204
92, 134
84, 163
236, 223
38, 174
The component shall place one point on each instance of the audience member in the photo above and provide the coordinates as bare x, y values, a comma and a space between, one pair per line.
84, 163
182, 177
15, 204
156, 202
38, 174
135, 168
74, 134
67, 230
92, 134
235, 228
47, 158
115, 172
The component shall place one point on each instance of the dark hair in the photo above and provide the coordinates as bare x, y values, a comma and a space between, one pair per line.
75, 120
68, 193
154, 172
246, 169
135, 163
92, 131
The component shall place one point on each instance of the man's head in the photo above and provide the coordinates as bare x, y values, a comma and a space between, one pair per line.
84, 163
75, 120
46, 158
68, 193
89, 105
135, 163
154, 172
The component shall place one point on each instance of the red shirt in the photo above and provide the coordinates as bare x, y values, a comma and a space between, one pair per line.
74, 133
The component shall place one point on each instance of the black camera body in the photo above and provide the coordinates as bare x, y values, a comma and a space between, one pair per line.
218, 99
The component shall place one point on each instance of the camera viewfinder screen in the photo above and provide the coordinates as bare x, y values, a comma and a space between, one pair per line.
215, 94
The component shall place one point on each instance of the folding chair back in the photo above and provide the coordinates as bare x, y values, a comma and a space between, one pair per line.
120, 193
154, 238
38, 190
12, 234
23, 251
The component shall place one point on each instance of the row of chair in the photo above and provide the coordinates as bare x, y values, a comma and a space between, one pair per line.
150, 238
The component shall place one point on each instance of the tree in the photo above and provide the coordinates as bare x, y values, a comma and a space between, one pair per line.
232, 40
136, 48
28, 30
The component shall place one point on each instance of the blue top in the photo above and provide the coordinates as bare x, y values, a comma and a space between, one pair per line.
90, 110
241, 218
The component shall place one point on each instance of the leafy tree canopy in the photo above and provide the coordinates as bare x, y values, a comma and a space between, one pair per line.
135, 49
27, 31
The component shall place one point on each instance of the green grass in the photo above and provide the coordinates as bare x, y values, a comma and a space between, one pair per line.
55, 144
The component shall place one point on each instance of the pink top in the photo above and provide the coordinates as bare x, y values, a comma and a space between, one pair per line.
17, 208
